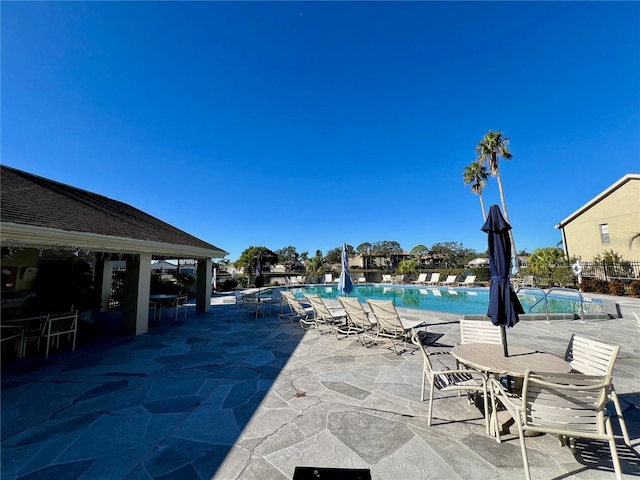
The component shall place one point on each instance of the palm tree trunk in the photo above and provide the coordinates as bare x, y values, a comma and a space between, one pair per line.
514, 251
484, 214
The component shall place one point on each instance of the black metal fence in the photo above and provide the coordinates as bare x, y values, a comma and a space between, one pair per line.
625, 270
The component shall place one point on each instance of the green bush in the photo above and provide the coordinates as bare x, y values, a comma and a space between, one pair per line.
634, 288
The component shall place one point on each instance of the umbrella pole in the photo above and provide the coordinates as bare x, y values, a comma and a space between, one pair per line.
258, 303
503, 332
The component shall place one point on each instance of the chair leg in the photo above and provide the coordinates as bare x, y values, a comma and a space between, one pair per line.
430, 404
494, 416
525, 459
424, 379
486, 411
623, 425
614, 451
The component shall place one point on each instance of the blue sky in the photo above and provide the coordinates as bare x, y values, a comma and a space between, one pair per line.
312, 124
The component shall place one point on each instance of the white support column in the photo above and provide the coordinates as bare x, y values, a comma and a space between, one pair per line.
203, 285
103, 280
137, 286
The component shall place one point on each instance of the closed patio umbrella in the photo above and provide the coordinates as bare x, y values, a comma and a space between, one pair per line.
504, 305
259, 281
345, 285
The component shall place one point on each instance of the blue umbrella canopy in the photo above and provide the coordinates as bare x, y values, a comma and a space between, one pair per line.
504, 306
345, 285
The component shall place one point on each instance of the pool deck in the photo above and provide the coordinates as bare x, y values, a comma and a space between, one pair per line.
222, 397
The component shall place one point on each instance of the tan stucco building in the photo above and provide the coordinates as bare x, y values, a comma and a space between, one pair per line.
47, 227
607, 222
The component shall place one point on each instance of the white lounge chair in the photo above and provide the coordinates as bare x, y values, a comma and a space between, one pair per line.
470, 280
326, 318
297, 311
359, 321
390, 325
422, 279
435, 278
450, 281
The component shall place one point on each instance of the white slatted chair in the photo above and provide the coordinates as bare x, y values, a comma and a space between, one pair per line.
439, 368
174, 308
57, 325
245, 303
390, 325
11, 333
567, 405
479, 331
592, 357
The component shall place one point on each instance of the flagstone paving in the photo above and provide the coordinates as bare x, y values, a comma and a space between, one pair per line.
222, 397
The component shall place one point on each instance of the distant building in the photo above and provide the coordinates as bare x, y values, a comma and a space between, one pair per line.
477, 262
609, 221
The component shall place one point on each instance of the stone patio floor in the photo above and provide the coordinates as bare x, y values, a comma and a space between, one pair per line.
222, 397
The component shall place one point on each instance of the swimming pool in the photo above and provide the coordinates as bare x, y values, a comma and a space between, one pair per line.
463, 301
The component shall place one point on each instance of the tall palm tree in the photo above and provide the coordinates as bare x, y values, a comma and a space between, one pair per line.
477, 175
492, 147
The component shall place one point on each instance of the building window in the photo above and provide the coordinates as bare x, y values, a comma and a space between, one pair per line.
604, 232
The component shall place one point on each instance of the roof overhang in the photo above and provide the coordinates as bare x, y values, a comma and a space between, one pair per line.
29, 236
592, 202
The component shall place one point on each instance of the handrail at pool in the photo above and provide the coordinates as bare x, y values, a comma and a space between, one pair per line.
545, 294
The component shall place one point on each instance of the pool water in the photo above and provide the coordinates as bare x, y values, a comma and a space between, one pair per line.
463, 301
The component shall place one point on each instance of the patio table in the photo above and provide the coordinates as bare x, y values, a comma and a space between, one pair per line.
160, 300
489, 358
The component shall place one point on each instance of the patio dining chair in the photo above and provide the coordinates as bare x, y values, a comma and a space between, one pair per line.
57, 325
391, 326
592, 357
568, 405
440, 370
479, 331
174, 308
9, 333
244, 303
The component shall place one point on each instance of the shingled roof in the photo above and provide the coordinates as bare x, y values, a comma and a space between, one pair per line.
28, 200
